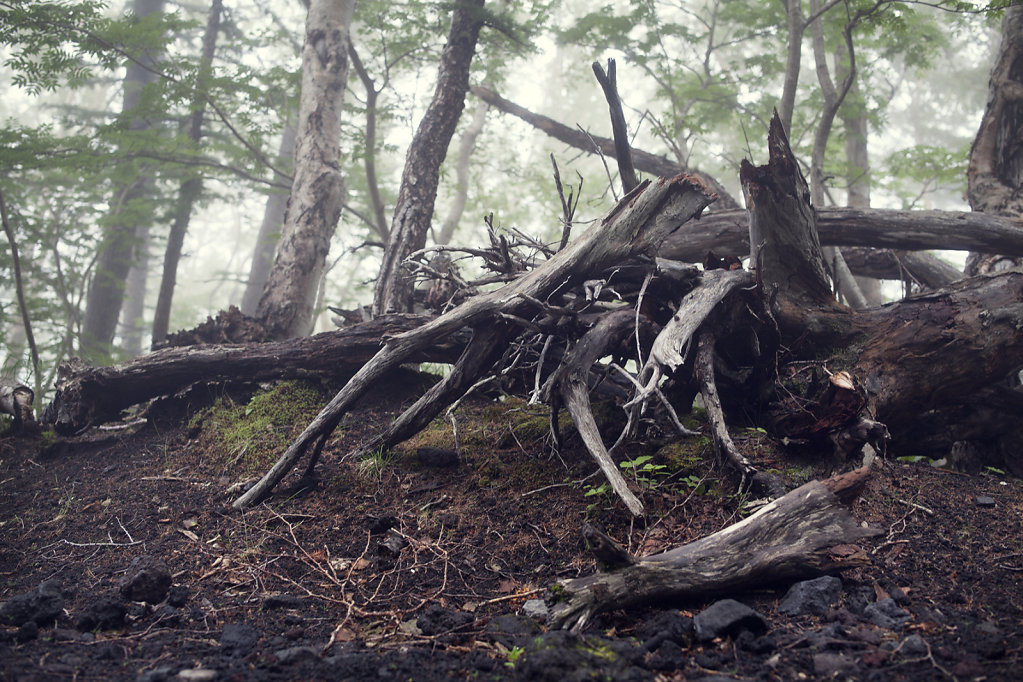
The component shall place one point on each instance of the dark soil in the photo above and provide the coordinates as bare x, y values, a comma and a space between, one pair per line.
402, 568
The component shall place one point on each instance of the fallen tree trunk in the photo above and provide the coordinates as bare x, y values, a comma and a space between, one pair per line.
784, 541
633, 229
727, 232
87, 395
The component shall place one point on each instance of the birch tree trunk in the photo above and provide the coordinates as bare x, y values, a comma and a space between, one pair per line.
317, 192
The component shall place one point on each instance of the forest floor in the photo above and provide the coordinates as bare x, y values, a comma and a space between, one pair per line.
416, 566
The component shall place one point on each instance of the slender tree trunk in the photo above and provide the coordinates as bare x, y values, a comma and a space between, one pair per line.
413, 211
116, 247
270, 229
465, 147
317, 193
995, 174
191, 188
794, 54
134, 308
372, 185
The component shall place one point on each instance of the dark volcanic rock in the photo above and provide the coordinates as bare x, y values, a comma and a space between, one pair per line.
178, 596
728, 617
811, 597
886, 614
436, 620
40, 606
147, 580
106, 612
238, 639
511, 630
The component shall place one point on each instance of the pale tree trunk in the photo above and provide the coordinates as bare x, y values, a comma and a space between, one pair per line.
134, 308
370, 160
465, 147
854, 119
794, 53
317, 192
270, 229
116, 248
191, 188
413, 211
833, 98
995, 174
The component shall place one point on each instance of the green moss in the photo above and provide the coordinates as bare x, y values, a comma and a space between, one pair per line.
253, 435
687, 456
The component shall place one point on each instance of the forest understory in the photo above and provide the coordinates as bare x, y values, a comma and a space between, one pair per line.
418, 563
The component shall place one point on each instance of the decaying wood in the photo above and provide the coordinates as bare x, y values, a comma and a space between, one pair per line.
708, 390
623, 153
574, 391
784, 541
87, 395
16, 400
634, 228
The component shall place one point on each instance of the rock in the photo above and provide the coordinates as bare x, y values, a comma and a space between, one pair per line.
441, 458
535, 609
827, 665
147, 580
984, 501
913, 646
178, 596
987, 641
295, 654
381, 524
28, 631
282, 601
436, 620
813, 597
666, 626
106, 612
40, 606
728, 618
886, 614
156, 674
511, 630
238, 639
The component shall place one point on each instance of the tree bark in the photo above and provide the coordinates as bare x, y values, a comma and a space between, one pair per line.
995, 174
191, 188
784, 541
317, 192
727, 232
413, 211
116, 247
634, 228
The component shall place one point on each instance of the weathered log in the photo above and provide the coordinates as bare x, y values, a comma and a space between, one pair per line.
784, 541
727, 232
16, 400
635, 227
87, 395
574, 391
